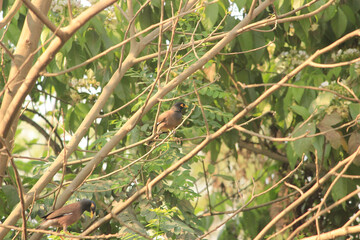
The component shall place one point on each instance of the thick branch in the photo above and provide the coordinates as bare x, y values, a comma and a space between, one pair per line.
329, 174
340, 232
44, 60
90, 117
45, 20
132, 121
20, 66
26, 87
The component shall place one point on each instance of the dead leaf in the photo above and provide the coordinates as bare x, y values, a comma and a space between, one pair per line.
210, 72
354, 142
335, 138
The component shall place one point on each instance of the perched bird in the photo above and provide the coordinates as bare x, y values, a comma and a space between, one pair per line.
69, 214
170, 119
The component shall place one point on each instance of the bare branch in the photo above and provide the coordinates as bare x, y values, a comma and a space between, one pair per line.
253, 196
130, 124
274, 139
7, 50
20, 188
14, 8
45, 20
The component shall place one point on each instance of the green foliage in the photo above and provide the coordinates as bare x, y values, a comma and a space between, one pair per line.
182, 205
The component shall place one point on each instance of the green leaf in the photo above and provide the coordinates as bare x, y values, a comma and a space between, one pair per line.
323, 100
300, 110
246, 41
297, 93
300, 32
59, 58
240, 3
18, 148
349, 12
342, 188
291, 155
24, 166
303, 145
109, 104
98, 24
156, 3
334, 72
215, 150
338, 23
297, 3
249, 221
75, 116
11, 194
259, 42
225, 177
145, 18
210, 15
329, 13
82, 109
92, 42
316, 5
319, 146
211, 168
354, 109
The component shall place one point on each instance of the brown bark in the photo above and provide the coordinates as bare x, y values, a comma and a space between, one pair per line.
28, 42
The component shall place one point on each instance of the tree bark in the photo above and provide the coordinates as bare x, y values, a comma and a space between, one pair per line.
28, 43
24, 89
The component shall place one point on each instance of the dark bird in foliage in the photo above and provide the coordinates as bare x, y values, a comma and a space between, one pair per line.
170, 119
69, 214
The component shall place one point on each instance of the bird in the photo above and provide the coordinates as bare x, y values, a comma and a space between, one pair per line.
69, 214
170, 119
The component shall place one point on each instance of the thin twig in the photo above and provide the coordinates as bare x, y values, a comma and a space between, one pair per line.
326, 210
64, 164
253, 196
70, 10
273, 139
207, 185
202, 110
294, 187
298, 86
347, 88
7, 51
125, 105
71, 236
248, 51
19, 188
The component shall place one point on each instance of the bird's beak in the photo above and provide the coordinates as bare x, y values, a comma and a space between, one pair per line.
186, 106
91, 214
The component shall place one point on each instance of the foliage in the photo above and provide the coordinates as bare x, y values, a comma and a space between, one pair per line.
319, 106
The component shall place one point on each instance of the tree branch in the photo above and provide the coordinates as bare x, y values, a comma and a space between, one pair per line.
56, 148
45, 20
14, 8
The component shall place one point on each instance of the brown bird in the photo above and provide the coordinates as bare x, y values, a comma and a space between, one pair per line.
69, 214
170, 119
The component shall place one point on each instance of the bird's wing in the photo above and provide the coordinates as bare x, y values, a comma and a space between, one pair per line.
66, 210
162, 118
